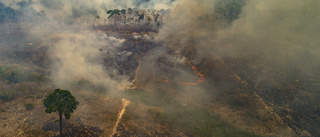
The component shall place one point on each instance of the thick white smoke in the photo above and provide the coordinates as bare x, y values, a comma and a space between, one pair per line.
77, 57
280, 33
76, 51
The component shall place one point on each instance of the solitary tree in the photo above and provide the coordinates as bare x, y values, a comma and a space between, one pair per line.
61, 101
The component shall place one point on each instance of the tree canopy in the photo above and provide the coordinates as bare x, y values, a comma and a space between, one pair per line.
61, 101
113, 12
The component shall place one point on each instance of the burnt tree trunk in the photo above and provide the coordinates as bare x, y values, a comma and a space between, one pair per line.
60, 121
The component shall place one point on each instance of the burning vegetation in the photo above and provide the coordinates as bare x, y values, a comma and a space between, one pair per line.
169, 68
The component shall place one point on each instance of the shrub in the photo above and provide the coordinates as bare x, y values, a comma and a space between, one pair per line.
8, 95
29, 107
18, 74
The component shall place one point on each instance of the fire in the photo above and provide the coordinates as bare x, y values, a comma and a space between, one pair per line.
132, 85
182, 83
159, 80
195, 71
200, 79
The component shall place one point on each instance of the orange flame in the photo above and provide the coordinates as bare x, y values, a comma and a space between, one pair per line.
133, 85
159, 80
195, 70
188, 83
200, 79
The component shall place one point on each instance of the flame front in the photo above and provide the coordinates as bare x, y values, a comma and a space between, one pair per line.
195, 71
132, 85
200, 79
159, 80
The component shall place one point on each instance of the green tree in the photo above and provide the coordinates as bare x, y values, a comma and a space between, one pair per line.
115, 15
61, 101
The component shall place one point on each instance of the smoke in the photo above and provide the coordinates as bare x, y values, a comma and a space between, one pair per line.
275, 29
192, 24
262, 41
280, 34
273, 45
78, 58
157, 5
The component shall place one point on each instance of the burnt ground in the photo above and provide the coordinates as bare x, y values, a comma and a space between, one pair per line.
138, 46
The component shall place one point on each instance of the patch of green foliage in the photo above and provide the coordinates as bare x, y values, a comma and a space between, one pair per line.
14, 74
8, 13
230, 9
113, 12
29, 107
18, 81
141, 96
13, 91
202, 123
190, 118
8, 95
61, 101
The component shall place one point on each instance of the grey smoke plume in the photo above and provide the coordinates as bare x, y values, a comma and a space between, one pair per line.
79, 52
76, 51
273, 45
78, 58
281, 33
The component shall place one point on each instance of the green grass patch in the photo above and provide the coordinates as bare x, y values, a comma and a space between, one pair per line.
200, 122
192, 119
19, 81
152, 99
19, 74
